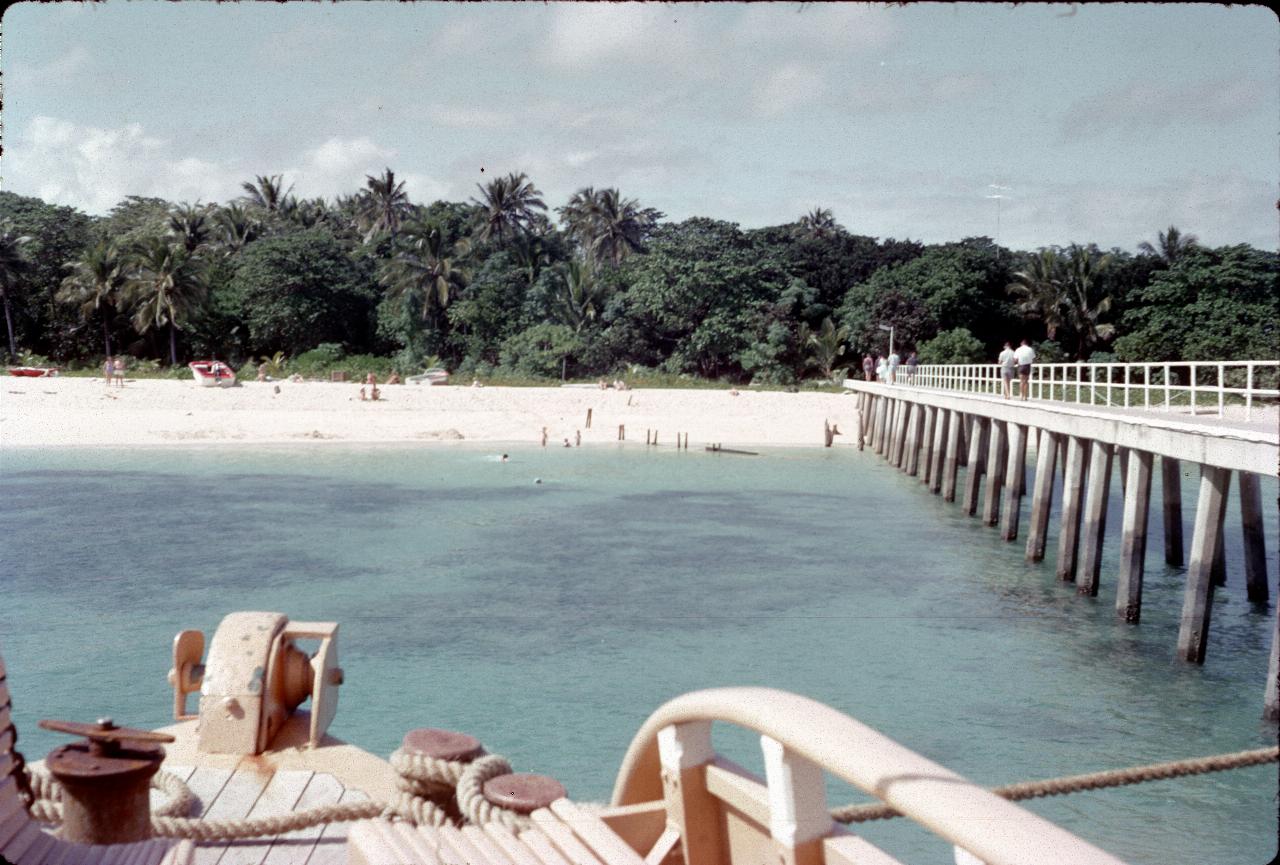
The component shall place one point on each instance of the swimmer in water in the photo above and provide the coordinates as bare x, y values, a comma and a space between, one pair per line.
504, 458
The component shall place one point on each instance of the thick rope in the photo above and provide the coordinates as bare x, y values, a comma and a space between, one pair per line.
475, 807
1090, 781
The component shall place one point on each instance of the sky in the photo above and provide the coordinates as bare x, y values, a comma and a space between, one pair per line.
1099, 123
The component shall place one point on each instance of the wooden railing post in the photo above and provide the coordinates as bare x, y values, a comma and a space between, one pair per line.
685, 751
798, 816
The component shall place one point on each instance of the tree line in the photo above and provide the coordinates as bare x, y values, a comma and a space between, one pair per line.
599, 285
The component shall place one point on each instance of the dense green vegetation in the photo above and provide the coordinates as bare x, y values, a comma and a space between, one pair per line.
503, 287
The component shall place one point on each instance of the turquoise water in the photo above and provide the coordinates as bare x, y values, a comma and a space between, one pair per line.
550, 619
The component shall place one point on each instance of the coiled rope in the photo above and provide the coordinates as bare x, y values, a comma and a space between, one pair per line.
1090, 781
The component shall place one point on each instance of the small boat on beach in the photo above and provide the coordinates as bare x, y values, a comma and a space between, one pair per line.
435, 375
213, 373
33, 371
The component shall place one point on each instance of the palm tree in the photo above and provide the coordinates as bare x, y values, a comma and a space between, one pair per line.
582, 296
1170, 245
1043, 290
1084, 308
607, 226
818, 223
423, 271
13, 265
235, 227
384, 205
268, 193
96, 283
507, 206
827, 346
190, 224
165, 287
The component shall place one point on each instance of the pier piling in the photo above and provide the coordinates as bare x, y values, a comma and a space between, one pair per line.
1171, 497
1042, 494
915, 440
1133, 538
1255, 550
1095, 518
938, 456
931, 416
1015, 481
979, 431
1072, 501
995, 466
951, 460
1197, 600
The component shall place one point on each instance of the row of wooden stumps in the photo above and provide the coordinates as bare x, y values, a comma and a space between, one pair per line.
931, 443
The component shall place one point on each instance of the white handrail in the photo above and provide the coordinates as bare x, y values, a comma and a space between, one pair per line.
1068, 382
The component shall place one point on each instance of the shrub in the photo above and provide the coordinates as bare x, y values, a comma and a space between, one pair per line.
952, 346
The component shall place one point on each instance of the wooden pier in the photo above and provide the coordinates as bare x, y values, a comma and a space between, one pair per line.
931, 433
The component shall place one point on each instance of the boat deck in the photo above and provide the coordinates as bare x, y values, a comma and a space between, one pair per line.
248, 791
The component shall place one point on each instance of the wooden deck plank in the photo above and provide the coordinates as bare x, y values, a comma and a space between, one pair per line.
491, 852
423, 841
511, 845
158, 798
293, 848
455, 849
278, 798
206, 783
595, 834
562, 836
22, 841
234, 802
42, 847
541, 845
331, 847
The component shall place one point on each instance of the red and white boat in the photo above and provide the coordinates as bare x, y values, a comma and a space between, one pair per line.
213, 373
33, 371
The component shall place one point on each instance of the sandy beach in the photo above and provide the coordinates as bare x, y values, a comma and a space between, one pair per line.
57, 412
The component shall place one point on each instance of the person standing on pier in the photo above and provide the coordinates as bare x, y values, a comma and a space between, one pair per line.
894, 361
1025, 355
912, 363
868, 367
1008, 361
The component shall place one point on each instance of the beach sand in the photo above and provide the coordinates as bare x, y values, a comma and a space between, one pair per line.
51, 412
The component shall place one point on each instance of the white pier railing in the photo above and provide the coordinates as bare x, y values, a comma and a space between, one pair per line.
1192, 387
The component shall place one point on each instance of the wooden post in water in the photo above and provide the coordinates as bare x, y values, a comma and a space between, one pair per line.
1197, 600
622, 432
915, 440
877, 434
1042, 494
1015, 480
938, 455
1255, 549
996, 449
951, 460
978, 435
588, 418
1072, 501
926, 443
963, 458
900, 433
1271, 703
1220, 557
1133, 539
1171, 499
1095, 518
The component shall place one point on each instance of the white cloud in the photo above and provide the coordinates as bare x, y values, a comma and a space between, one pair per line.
587, 35
93, 168
1144, 106
339, 166
467, 117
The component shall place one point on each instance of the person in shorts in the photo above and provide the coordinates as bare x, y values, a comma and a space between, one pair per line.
868, 368
912, 363
1008, 361
894, 362
1025, 355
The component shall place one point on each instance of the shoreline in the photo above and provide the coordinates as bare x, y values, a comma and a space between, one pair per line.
84, 412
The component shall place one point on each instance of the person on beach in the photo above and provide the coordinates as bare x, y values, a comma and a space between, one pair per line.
107, 369
394, 378
881, 368
892, 371
117, 372
566, 443
1008, 362
262, 371
868, 367
1025, 356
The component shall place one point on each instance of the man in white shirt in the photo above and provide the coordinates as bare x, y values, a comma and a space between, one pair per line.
894, 360
1008, 363
1025, 355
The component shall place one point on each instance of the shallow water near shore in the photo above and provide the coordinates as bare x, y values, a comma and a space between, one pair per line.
549, 619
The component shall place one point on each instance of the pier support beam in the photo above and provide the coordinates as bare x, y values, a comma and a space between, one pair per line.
1042, 494
1015, 480
978, 433
1220, 557
916, 439
900, 440
1133, 541
877, 433
951, 461
1171, 496
926, 442
1271, 703
1197, 600
1072, 500
997, 447
937, 461
964, 439
1255, 549
1095, 518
